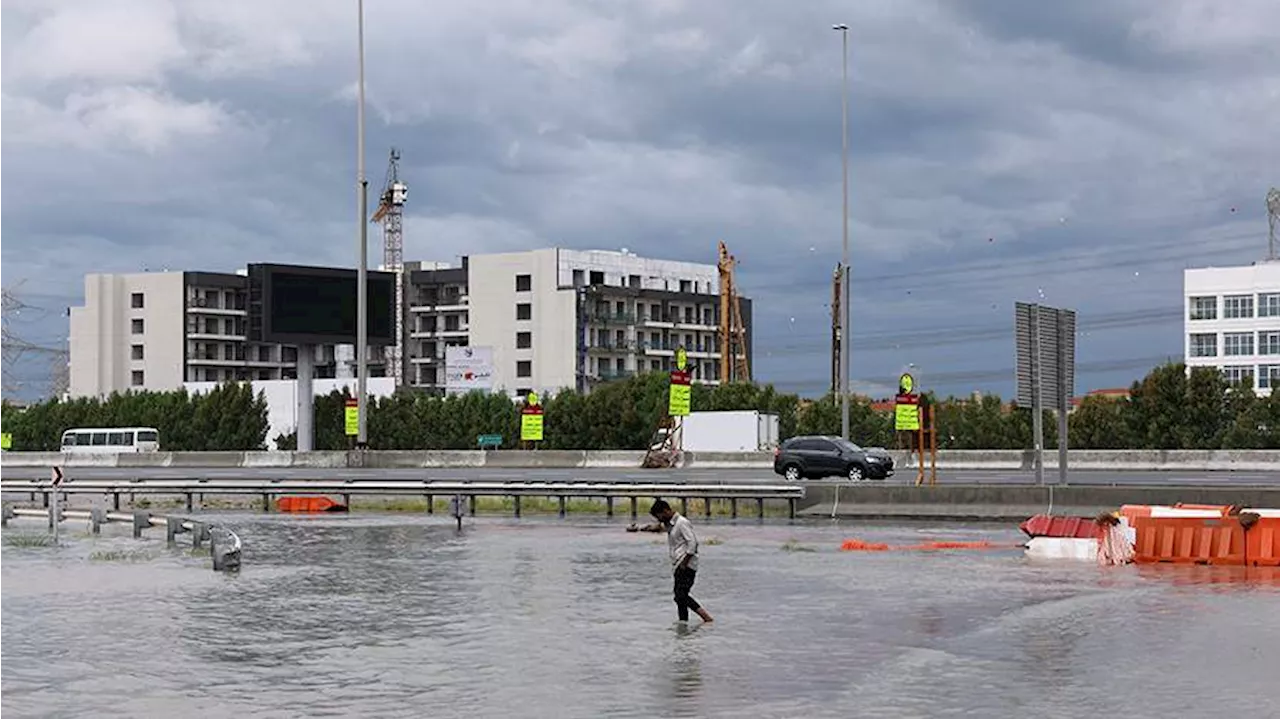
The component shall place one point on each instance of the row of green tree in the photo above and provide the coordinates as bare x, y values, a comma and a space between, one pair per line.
1168, 409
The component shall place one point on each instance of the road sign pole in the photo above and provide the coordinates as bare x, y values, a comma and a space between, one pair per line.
1037, 395
1063, 392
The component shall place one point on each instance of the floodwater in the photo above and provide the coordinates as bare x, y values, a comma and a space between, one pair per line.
398, 616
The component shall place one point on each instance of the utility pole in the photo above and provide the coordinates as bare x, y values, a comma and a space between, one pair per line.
362, 275
844, 263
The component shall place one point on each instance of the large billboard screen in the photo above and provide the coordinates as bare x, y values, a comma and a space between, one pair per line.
467, 369
295, 304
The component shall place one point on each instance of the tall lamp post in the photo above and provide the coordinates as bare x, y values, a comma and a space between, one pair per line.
362, 274
844, 263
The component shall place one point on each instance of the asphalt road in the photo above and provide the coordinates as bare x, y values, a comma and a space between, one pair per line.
762, 475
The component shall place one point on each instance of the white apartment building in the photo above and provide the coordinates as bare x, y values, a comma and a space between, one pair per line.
552, 319
1233, 322
161, 330
557, 318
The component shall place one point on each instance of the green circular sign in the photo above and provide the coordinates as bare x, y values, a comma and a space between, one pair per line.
682, 359
906, 383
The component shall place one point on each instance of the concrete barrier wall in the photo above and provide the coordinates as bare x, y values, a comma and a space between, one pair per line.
973, 460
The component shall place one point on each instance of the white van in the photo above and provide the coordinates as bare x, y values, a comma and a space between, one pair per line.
111, 439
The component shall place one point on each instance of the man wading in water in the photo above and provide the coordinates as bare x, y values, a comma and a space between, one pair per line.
684, 557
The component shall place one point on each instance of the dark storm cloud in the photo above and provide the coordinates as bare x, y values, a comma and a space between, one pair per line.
1001, 151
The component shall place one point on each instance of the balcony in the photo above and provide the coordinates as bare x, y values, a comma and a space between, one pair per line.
437, 332
623, 346
614, 374
448, 303
611, 317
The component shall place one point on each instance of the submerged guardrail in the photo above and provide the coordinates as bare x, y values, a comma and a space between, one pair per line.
225, 546
429, 489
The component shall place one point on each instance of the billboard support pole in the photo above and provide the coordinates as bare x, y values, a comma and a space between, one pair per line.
1037, 394
362, 296
306, 398
1063, 393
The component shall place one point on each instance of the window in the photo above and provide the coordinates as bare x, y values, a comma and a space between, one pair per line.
135, 300
524, 283
524, 368
577, 278
1237, 307
524, 340
136, 352
524, 311
1269, 342
451, 323
524, 392
99, 439
136, 326
620, 365
137, 378
1204, 308
633, 281
117, 439
1269, 304
1204, 345
686, 286
597, 278
1238, 375
1269, 376
1237, 344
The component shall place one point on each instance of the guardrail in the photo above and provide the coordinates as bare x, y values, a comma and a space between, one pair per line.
225, 546
429, 489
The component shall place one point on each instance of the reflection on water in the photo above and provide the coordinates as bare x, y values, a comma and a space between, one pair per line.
403, 616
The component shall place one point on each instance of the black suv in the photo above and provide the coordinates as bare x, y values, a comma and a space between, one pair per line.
813, 457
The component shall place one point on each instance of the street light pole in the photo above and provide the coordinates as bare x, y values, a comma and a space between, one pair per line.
844, 263
362, 274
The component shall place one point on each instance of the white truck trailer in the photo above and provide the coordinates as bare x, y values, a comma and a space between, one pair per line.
741, 431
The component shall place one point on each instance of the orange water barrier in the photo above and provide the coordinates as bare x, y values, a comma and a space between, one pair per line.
1204, 534
309, 504
857, 545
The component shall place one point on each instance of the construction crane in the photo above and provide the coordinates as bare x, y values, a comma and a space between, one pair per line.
1273, 222
390, 213
733, 333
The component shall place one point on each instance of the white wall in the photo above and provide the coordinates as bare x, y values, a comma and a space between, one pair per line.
282, 398
491, 283
101, 338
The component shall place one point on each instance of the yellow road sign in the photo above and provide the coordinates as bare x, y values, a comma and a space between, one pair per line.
906, 383
682, 358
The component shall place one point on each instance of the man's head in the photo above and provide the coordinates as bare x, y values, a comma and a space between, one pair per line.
661, 511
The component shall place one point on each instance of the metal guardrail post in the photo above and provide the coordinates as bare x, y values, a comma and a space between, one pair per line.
635, 502
684, 506
471, 500
97, 518
5, 515
608, 506
199, 534
516, 503
141, 520
733, 507
561, 498
172, 528
792, 503
760, 507
431, 504
189, 502
115, 501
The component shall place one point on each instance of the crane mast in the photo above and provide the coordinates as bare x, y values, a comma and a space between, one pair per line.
390, 213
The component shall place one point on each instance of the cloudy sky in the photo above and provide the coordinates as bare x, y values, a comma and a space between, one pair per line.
1079, 154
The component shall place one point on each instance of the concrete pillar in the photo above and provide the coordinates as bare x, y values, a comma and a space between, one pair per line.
760, 507
472, 502
431, 504
306, 397
97, 518
189, 503
608, 506
562, 506
733, 507
635, 501
516, 502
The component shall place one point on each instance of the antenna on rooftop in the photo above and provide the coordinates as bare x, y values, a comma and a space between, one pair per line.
1273, 221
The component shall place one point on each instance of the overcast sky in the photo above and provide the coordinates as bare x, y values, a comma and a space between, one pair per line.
1079, 154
